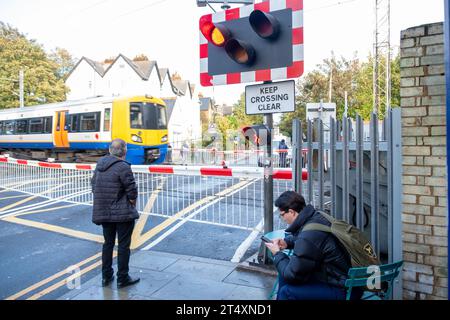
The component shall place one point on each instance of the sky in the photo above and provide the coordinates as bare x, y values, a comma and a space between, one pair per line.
167, 30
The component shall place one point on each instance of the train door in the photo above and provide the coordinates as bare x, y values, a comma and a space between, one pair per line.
60, 134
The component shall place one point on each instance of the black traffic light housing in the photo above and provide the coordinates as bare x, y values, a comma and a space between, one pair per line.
260, 41
259, 134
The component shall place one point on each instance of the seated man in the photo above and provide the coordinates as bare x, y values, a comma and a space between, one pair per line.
318, 268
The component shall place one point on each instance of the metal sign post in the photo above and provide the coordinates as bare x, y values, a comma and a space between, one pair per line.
297, 146
268, 178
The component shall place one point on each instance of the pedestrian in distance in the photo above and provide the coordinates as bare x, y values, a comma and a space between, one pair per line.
184, 152
319, 264
115, 194
283, 150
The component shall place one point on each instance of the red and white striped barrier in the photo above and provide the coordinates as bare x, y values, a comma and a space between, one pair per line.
237, 172
32, 163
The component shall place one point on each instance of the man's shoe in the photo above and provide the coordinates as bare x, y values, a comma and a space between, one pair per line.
127, 282
107, 281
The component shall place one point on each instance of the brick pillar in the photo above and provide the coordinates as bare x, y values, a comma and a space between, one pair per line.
424, 215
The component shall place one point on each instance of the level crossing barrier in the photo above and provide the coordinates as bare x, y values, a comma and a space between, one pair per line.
234, 158
231, 197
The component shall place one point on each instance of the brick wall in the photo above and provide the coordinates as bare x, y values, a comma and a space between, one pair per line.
424, 215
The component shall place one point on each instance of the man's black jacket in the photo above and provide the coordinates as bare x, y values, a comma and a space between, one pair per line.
317, 255
113, 186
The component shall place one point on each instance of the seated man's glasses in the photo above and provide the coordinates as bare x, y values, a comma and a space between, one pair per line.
282, 213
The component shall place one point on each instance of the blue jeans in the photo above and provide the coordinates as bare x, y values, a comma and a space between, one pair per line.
309, 291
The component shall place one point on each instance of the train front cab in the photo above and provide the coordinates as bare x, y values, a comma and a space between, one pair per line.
142, 123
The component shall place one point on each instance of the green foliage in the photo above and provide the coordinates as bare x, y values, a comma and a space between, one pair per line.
42, 75
64, 61
230, 126
243, 119
352, 76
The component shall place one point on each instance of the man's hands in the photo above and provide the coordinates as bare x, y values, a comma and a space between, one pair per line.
276, 245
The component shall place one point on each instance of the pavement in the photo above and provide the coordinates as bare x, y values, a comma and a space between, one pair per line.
167, 276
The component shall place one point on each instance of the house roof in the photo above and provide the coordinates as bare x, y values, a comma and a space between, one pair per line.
205, 104
144, 69
170, 103
183, 86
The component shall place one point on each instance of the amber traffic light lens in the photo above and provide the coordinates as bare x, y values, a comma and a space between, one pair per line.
240, 51
217, 37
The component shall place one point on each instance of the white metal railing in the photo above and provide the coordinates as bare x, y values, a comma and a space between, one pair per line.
230, 197
233, 158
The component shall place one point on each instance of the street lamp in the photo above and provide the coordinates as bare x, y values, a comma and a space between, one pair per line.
20, 80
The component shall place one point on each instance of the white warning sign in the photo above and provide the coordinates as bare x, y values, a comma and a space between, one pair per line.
274, 97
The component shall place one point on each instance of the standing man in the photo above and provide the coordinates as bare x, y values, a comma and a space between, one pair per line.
115, 195
283, 150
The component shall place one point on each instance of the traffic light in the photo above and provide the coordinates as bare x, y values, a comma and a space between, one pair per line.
259, 42
259, 135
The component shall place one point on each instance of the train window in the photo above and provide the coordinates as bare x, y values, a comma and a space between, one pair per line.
107, 120
1, 128
36, 125
9, 127
66, 121
147, 116
21, 127
135, 115
74, 120
161, 117
48, 124
89, 122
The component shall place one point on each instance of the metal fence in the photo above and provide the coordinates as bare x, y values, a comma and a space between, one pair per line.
228, 197
361, 175
234, 158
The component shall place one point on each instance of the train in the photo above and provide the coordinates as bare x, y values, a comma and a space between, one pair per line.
82, 130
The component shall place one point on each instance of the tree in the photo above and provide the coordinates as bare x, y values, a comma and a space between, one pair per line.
351, 76
224, 125
41, 79
242, 119
64, 60
141, 57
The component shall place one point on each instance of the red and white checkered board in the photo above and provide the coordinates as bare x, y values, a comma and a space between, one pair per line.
293, 71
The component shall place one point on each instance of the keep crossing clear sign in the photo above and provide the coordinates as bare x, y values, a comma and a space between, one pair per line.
274, 97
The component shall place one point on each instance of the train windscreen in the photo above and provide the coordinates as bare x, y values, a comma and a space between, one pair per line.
147, 116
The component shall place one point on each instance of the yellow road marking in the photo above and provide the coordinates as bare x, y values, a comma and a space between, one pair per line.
51, 278
57, 229
64, 281
151, 233
15, 204
12, 197
87, 236
45, 210
144, 217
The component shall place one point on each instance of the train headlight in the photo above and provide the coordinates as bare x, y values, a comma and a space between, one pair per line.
136, 138
164, 139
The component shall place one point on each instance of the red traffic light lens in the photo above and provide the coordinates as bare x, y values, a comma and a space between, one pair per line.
264, 24
216, 34
258, 134
240, 51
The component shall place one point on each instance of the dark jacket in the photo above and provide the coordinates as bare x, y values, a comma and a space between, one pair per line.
113, 187
317, 255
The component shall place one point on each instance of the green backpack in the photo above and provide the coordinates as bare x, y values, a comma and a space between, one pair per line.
357, 245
